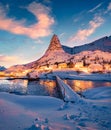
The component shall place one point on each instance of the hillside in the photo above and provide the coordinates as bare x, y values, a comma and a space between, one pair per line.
92, 61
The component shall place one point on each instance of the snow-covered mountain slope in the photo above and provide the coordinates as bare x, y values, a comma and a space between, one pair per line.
92, 57
103, 44
92, 61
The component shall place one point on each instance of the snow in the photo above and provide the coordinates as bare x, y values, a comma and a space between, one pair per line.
67, 92
48, 113
91, 111
103, 44
71, 74
98, 93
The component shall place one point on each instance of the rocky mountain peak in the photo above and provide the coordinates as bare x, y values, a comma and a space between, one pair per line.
54, 53
54, 44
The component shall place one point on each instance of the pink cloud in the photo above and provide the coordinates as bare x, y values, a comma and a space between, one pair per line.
11, 60
40, 29
82, 34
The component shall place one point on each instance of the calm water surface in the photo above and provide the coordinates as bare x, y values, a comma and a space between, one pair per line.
45, 87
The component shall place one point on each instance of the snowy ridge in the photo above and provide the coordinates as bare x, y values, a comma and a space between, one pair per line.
103, 44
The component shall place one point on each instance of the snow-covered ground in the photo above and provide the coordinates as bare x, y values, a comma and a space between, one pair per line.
92, 112
71, 74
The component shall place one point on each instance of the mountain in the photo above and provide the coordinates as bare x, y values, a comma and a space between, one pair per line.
54, 53
2, 68
103, 44
54, 45
97, 52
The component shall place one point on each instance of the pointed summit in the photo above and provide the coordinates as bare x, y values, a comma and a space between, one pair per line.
54, 44
54, 53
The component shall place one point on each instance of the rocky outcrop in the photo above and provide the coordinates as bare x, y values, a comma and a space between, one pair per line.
55, 44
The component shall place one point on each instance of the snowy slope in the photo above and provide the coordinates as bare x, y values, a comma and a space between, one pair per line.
92, 56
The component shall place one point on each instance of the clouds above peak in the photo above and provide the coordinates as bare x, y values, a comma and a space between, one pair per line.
40, 29
82, 34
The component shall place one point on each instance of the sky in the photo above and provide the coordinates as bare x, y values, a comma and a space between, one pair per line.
26, 26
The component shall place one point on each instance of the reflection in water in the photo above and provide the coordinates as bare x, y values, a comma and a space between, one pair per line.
42, 87
80, 85
14, 82
34, 88
46, 87
20, 82
13, 86
49, 84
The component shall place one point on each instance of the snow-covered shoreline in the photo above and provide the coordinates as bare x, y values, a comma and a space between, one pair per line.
69, 74
48, 113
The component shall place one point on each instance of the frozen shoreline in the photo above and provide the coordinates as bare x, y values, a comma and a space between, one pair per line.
66, 74
76, 76
48, 113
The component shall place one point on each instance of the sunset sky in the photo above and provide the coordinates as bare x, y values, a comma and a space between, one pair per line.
26, 26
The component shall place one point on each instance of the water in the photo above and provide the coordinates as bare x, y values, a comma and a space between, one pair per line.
23, 87
81, 85
45, 87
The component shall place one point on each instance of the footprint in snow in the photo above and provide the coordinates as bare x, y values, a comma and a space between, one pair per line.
65, 105
42, 124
